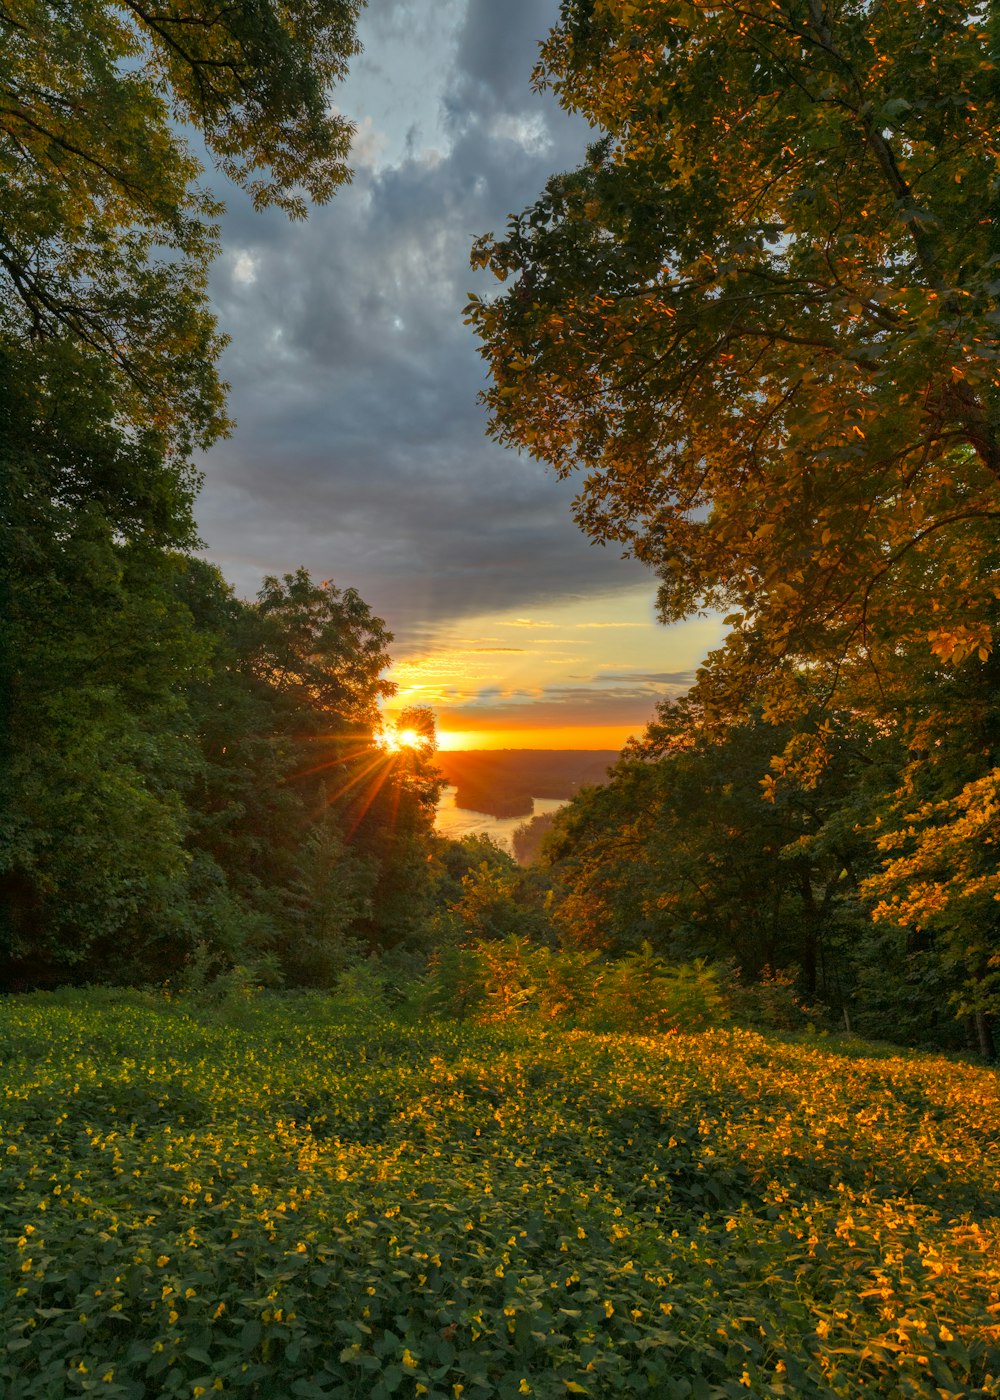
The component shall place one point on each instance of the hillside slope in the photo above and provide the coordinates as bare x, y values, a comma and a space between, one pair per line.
297, 1204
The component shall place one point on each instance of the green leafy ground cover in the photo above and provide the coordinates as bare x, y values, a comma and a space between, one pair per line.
303, 1204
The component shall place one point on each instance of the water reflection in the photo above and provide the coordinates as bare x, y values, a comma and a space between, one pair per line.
457, 822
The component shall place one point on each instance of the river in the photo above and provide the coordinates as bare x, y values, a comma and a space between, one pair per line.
457, 822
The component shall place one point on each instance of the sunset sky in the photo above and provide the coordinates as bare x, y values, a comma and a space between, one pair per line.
360, 448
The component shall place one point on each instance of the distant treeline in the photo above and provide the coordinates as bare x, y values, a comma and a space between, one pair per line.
502, 782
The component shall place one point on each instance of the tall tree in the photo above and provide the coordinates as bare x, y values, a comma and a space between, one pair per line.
97, 652
108, 379
288, 770
762, 319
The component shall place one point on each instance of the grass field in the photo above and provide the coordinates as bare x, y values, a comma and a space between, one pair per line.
300, 1202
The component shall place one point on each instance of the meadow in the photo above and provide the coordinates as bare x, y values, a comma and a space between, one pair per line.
294, 1199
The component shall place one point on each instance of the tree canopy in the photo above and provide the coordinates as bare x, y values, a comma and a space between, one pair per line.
761, 322
105, 231
761, 319
182, 770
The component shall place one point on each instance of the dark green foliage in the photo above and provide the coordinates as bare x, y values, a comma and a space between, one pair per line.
97, 651
184, 769
184, 776
694, 848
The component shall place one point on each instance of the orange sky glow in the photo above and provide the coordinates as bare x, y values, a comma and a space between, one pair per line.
582, 674
595, 736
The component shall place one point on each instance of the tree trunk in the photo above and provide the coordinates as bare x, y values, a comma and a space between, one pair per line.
984, 1036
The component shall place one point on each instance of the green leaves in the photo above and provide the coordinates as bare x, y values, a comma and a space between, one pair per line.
653, 1216
106, 236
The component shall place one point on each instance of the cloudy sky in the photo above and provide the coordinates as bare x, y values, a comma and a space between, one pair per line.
360, 449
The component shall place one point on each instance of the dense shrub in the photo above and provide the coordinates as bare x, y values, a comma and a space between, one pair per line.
642, 992
497, 979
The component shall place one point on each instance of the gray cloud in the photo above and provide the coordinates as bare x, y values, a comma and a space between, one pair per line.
360, 449
556, 708
497, 49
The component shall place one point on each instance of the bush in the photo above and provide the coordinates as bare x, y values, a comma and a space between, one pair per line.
641, 992
363, 989
497, 980
455, 985
771, 1003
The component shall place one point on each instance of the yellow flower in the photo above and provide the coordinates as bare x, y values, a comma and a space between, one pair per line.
409, 1360
524, 1388
161, 1260
945, 1335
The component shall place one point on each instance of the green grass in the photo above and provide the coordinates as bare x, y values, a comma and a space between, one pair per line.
301, 1205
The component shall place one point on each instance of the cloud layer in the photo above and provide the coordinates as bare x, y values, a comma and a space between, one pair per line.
360, 449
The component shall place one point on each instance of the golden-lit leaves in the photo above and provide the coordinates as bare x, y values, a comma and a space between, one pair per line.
233, 1200
760, 320
941, 859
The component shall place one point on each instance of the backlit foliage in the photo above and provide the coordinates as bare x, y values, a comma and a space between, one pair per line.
762, 318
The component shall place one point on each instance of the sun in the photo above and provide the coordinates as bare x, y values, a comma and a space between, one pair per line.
396, 740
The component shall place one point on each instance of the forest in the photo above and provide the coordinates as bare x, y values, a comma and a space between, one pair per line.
697, 1101
767, 347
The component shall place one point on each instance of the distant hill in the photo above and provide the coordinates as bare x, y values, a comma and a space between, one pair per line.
502, 782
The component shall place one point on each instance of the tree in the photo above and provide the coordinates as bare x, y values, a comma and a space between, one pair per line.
97, 653
528, 837
681, 851
412, 740
323, 650
938, 885
108, 379
291, 782
762, 320
105, 236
